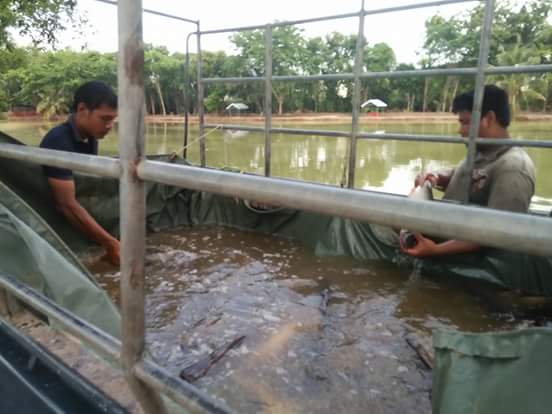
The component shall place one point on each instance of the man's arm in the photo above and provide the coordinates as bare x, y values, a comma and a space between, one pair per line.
64, 197
427, 247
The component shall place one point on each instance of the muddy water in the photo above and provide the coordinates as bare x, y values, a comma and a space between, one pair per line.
322, 334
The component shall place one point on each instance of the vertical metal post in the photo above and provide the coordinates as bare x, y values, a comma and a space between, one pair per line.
200, 108
268, 97
187, 92
132, 198
478, 94
356, 99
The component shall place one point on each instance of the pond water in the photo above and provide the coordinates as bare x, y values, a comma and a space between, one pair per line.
381, 165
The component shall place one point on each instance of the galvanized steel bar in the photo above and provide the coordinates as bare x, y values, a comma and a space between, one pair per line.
187, 91
416, 6
485, 226
292, 131
284, 23
389, 136
268, 98
200, 107
339, 16
170, 16
356, 99
495, 70
107, 346
104, 166
132, 199
484, 46
110, 167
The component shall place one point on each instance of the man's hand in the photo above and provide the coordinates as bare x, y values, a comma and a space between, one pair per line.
423, 247
438, 180
113, 252
422, 178
426, 247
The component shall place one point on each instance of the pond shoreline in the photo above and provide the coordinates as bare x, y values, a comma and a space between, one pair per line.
330, 117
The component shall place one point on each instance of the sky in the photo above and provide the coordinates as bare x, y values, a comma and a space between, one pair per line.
403, 31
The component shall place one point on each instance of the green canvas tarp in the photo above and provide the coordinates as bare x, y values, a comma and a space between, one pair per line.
506, 373
32, 253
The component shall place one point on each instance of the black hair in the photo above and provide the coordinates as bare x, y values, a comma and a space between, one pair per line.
94, 94
494, 99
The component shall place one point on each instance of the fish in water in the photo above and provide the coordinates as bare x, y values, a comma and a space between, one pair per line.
420, 192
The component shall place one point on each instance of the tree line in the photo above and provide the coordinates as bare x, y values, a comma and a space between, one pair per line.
46, 79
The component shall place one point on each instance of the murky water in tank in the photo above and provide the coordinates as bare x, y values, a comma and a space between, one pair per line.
321, 333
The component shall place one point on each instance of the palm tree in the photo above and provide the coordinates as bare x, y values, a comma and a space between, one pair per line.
52, 103
519, 86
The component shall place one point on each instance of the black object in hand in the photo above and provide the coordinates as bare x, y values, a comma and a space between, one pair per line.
408, 239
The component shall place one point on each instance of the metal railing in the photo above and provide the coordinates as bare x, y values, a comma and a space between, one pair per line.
358, 74
507, 230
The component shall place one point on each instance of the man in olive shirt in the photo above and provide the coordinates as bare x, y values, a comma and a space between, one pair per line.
93, 112
503, 177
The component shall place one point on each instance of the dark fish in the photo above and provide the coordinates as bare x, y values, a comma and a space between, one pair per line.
421, 192
325, 294
199, 369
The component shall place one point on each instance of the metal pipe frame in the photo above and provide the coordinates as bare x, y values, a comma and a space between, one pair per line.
157, 13
105, 166
484, 46
340, 16
130, 80
187, 92
507, 230
386, 137
355, 101
186, 64
109, 347
268, 78
268, 98
480, 71
200, 108
492, 70
486, 226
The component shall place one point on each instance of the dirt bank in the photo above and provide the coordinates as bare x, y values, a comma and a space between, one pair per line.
314, 118
337, 118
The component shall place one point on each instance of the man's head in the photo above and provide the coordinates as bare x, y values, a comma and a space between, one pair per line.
94, 109
495, 112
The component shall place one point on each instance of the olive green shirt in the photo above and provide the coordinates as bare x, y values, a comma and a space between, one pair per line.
503, 178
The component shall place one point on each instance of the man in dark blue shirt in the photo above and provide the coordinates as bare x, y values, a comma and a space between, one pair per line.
93, 112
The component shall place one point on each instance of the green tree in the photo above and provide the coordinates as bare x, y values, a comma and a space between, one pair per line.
406, 92
378, 58
456, 40
288, 56
40, 19
519, 86
47, 80
521, 34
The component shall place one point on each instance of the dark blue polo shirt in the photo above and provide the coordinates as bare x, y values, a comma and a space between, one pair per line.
65, 137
